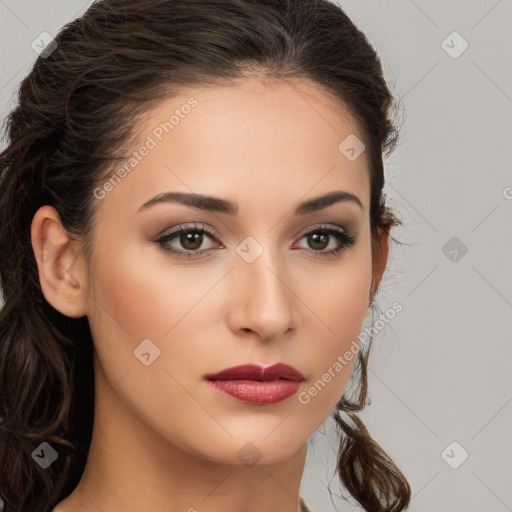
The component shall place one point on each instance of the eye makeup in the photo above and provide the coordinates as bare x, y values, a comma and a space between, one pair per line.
195, 234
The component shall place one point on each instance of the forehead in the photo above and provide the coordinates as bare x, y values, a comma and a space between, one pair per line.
261, 143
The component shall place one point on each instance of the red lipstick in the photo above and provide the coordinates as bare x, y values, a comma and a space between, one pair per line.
257, 385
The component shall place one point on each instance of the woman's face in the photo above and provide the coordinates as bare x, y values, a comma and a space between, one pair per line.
267, 281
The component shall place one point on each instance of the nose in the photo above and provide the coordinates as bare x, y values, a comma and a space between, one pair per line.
262, 301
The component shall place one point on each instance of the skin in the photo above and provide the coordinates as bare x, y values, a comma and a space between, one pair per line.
163, 439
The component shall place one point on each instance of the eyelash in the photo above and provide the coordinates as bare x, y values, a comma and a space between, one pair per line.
347, 240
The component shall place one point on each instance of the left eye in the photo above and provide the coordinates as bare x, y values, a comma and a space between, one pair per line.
322, 236
321, 239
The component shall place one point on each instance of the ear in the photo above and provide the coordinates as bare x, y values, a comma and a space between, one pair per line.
61, 270
380, 253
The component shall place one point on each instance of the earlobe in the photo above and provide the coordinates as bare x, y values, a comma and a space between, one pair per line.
380, 253
61, 272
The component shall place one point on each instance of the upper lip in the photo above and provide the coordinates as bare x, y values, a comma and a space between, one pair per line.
256, 372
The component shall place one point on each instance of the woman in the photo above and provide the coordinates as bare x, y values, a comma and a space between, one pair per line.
192, 232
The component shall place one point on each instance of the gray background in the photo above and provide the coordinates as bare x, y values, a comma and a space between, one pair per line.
441, 370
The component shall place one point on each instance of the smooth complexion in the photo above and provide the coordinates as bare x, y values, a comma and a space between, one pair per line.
163, 439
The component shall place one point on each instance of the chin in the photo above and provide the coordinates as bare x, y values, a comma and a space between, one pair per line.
249, 449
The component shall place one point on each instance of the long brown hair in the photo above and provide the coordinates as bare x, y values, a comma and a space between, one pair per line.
76, 108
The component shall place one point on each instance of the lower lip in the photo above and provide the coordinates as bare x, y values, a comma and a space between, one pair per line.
256, 392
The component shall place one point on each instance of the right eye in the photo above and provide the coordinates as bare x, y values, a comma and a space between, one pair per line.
190, 237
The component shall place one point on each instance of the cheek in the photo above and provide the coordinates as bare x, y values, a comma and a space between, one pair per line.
137, 296
134, 302
341, 309
340, 296
142, 297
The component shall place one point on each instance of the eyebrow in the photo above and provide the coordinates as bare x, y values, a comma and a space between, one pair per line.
216, 204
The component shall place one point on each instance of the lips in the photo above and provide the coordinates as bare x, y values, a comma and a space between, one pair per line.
256, 385
258, 373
